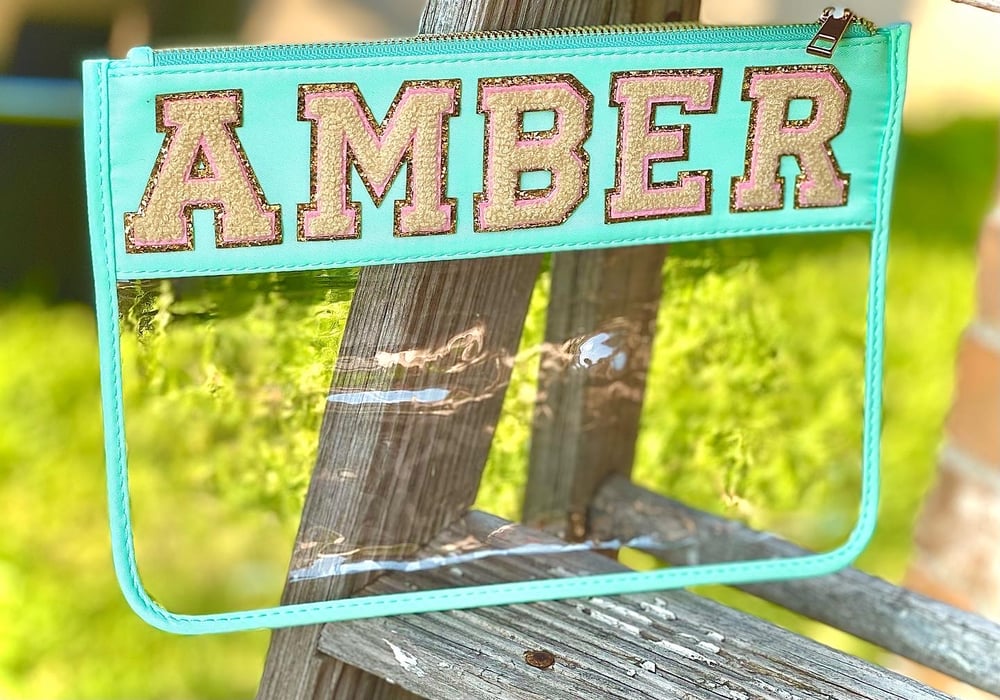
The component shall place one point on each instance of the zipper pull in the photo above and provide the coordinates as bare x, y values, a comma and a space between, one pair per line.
140, 56
833, 24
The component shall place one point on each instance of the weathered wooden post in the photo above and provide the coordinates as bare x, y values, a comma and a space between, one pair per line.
587, 415
385, 475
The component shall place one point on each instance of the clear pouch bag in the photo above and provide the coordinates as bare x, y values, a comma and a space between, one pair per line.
277, 339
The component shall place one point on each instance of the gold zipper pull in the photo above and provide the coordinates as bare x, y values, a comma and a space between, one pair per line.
833, 24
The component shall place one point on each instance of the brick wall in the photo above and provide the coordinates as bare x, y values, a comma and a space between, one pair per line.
957, 537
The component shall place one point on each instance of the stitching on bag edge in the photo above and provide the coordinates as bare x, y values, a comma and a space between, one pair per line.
299, 64
663, 576
461, 255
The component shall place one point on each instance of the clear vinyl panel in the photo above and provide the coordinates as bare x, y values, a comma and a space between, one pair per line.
652, 398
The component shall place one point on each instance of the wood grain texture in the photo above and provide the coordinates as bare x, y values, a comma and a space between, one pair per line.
958, 643
387, 476
598, 343
667, 645
393, 474
993, 5
592, 376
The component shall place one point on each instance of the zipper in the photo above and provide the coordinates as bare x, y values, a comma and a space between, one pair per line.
835, 24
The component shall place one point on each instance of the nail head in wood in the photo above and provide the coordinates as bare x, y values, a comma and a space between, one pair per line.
539, 658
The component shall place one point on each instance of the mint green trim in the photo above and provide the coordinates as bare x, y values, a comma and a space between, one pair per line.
884, 71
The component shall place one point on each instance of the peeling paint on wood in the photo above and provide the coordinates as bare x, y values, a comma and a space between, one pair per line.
602, 646
955, 642
407, 662
658, 608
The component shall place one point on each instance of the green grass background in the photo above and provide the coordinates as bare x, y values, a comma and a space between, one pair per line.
66, 632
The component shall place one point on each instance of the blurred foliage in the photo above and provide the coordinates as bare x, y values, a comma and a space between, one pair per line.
225, 381
66, 632
730, 328
776, 313
758, 420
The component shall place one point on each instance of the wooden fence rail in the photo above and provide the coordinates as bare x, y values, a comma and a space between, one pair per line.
957, 643
672, 644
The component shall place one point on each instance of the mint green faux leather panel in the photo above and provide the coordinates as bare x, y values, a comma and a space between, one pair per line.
122, 144
277, 144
